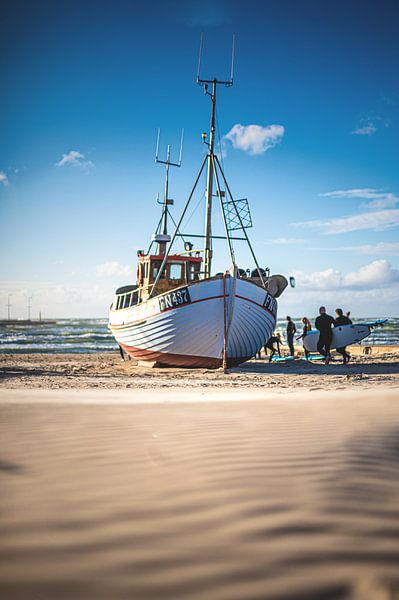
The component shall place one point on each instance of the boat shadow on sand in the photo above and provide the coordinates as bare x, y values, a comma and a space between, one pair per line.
13, 372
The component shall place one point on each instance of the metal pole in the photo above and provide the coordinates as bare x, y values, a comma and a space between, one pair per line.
29, 306
224, 327
209, 190
9, 306
241, 223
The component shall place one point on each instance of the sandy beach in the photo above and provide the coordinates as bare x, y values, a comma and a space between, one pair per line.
107, 370
274, 482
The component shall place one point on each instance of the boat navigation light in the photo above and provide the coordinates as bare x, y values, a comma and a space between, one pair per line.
292, 282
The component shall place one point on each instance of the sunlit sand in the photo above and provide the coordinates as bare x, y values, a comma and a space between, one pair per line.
206, 492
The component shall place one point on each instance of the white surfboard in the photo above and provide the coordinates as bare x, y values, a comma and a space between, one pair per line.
343, 335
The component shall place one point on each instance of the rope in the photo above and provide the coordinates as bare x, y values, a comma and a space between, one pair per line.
220, 143
196, 207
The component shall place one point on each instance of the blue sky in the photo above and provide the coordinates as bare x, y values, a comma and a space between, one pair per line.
309, 133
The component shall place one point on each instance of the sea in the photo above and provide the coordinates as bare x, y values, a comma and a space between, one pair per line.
92, 335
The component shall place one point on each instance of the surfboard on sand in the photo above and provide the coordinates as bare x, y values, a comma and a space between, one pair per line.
343, 335
287, 358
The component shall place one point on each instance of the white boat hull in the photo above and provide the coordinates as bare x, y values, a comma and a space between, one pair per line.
189, 326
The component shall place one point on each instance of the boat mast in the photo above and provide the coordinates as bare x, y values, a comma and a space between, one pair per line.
164, 238
209, 185
214, 169
211, 144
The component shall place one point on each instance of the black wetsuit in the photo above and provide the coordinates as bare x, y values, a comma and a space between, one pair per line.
342, 320
305, 331
291, 330
270, 346
323, 323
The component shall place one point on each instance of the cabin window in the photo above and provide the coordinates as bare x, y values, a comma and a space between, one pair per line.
128, 298
192, 272
146, 270
175, 271
155, 269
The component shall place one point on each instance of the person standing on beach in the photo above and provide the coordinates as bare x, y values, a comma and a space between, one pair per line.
291, 330
343, 320
323, 323
306, 328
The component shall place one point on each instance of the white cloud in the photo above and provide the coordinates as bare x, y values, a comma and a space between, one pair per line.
56, 300
283, 240
3, 178
76, 159
374, 275
377, 198
387, 248
367, 129
112, 268
376, 221
369, 124
378, 273
381, 248
363, 303
255, 139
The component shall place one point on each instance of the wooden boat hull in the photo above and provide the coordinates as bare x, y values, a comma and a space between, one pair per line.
187, 327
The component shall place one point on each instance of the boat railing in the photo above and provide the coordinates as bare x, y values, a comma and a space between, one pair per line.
126, 299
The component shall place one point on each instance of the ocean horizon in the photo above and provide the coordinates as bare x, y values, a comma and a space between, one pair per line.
92, 335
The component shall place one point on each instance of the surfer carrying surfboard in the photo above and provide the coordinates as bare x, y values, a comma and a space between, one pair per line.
343, 320
323, 323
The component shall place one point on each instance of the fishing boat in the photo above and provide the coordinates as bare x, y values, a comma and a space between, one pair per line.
178, 313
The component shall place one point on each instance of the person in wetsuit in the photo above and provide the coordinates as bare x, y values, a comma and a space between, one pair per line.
343, 320
323, 323
306, 328
275, 339
291, 330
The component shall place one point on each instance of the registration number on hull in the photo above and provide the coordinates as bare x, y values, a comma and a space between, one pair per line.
270, 304
174, 299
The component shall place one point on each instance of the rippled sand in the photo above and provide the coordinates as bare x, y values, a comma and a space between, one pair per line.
116, 496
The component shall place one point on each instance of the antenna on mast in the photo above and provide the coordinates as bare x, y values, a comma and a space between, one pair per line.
168, 161
163, 238
200, 57
227, 82
232, 58
210, 173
